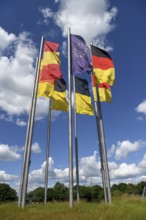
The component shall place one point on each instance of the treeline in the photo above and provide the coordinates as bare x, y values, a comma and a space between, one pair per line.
89, 193
61, 193
7, 193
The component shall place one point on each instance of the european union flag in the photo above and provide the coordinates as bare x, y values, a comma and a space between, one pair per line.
81, 58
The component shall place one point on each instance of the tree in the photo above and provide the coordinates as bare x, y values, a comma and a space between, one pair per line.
50, 194
140, 187
85, 193
97, 193
7, 193
60, 192
36, 195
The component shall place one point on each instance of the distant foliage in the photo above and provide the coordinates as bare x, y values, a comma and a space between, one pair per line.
7, 193
88, 193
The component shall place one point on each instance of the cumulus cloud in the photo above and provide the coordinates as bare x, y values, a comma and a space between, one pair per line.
9, 153
89, 172
4, 177
142, 165
124, 171
91, 19
64, 48
47, 13
36, 177
89, 166
122, 149
36, 148
17, 77
5, 39
141, 108
42, 107
111, 151
20, 123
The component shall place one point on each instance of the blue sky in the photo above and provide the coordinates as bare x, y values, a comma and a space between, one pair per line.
117, 26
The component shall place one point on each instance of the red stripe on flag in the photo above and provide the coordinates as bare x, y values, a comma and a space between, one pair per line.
102, 62
50, 73
104, 85
101, 85
50, 46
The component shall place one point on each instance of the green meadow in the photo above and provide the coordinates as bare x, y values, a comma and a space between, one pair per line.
124, 208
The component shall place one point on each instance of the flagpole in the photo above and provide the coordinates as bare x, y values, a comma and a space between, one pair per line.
103, 147
101, 153
70, 123
102, 161
102, 143
29, 138
25, 150
76, 143
47, 153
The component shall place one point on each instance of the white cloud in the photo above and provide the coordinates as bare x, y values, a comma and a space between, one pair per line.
141, 108
124, 171
4, 177
9, 153
64, 48
90, 19
42, 107
89, 172
5, 39
16, 76
37, 177
142, 165
47, 13
140, 118
111, 151
8, 118
36, 148
89, 166
20, 122
122, 149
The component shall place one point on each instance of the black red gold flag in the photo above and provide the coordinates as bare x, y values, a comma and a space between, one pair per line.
82, 97
49, 69
59, 101
104, 73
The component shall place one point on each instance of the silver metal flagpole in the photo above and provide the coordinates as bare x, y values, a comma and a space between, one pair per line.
101, 153
100, 143
29, 141
103, 148
25, 149
76, 143
70, 123
47, 153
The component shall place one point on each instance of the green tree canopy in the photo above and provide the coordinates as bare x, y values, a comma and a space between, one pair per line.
7, 193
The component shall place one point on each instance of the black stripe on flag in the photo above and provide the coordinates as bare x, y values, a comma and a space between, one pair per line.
99, 52
60, 85
81, 86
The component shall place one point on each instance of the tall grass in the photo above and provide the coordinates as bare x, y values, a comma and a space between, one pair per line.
126, 208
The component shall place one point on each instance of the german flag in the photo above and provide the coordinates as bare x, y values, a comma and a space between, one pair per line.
104, 73
49, 69
45, 89
82, 97
103, 90
59, 101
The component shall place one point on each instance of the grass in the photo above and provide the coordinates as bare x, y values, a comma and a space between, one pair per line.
126, 208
